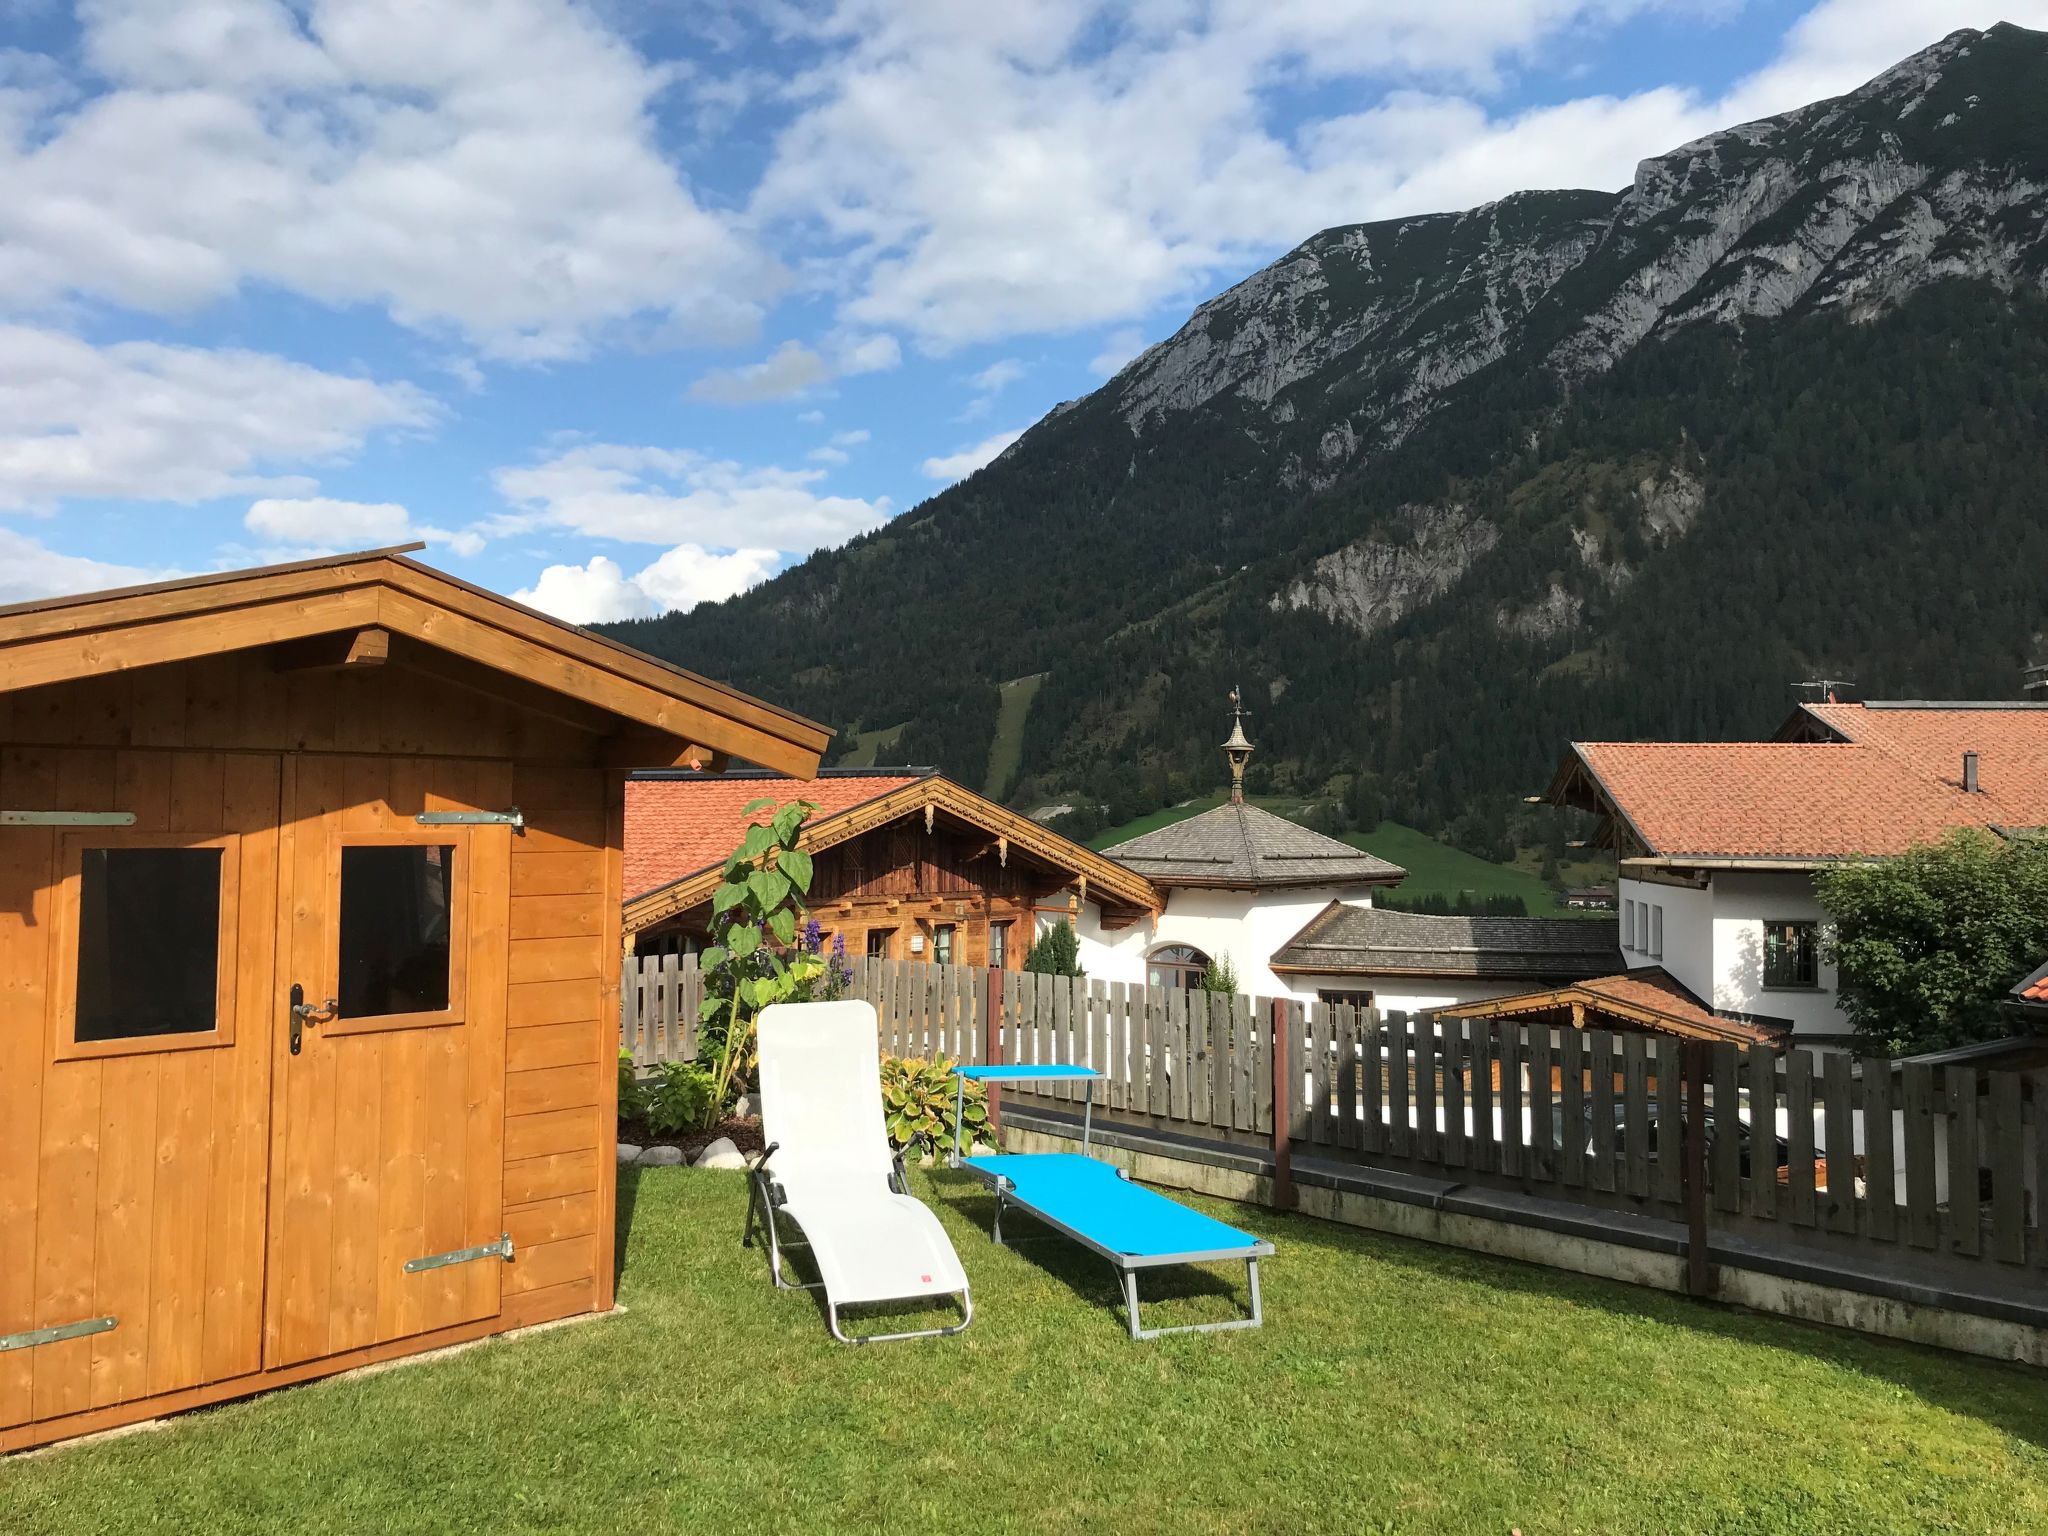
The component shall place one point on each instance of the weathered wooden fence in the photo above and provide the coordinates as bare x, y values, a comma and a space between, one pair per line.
1942, 1161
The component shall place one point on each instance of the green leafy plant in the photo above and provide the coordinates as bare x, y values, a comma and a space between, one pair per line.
1056, 952
632, 1096
682, 1097
919, 1104
1219, 975
755, 958
1929, 942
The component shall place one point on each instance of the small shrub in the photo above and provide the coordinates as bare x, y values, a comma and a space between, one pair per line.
1056, 952
918, 1102
1219, 975
632, 1096
683, 1097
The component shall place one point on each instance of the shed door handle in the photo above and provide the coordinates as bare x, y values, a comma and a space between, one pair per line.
304, 1013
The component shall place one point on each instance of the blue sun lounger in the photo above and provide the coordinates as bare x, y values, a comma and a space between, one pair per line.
1096, 1204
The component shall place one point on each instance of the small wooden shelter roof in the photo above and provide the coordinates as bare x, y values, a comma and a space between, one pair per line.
1121, 893
1367, 941
377, 606
1647, 999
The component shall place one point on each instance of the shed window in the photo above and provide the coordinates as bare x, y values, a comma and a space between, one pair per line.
998, 946
942, 944
878, 942
397, 901
148, 943
1791, 955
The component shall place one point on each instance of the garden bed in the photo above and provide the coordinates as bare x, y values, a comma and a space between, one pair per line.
742, 1132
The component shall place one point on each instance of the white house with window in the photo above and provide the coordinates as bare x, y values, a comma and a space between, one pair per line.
1292, 910
1718, 841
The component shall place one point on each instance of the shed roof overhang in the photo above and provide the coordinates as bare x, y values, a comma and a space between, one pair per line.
1574, 1004
654, 714
1122, 894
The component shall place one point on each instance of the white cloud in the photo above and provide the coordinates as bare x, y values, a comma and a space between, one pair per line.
970, 173
958, 466
322, 524
180, 424
828, 455
490, 169
29, 570
601, 591
998, 375
675, 496
1118, 348
852, 437
869, 354
791, 369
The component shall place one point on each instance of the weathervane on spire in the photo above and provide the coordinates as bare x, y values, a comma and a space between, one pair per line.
1237, 750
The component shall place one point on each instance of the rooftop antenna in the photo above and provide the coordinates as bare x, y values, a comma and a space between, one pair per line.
1238, 750
1823, 690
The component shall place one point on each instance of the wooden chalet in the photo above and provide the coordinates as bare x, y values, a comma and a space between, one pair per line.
908, 865
310, 881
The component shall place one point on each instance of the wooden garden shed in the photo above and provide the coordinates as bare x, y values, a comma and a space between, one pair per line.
309, 957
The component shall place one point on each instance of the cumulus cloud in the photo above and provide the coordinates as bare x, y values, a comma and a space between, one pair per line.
29, 570
646, 495
997, 376
1118, 348
182, 424
492, 171
986, 172
308, 525
600, 591
958, 466
791, 369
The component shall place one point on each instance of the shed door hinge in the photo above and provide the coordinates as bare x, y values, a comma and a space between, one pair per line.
67, 818
501, 1249
56, 1335
514, 818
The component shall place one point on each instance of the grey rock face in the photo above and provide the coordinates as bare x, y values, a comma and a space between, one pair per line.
1373, 583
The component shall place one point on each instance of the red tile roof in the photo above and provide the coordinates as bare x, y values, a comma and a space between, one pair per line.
675, 827
1896, 781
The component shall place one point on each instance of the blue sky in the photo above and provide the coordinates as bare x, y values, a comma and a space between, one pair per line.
625, 306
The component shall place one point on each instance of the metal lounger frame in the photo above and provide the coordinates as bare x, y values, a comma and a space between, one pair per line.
1127, 1265
764, 1201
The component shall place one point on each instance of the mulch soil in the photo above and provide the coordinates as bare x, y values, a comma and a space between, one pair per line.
744, 1134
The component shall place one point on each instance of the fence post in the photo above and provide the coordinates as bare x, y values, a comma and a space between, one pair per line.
1695, 1062
1280, 1030
992, 1046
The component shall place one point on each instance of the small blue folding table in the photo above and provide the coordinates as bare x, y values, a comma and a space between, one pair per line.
1096, 1204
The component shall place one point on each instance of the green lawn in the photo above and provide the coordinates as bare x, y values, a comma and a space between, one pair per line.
868, 746
1395, 1387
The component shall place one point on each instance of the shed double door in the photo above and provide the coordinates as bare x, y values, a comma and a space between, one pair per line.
185, 1199
387, 1139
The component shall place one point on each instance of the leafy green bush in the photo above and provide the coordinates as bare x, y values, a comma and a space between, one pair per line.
918, 1102
683, 1097
632, 1097
1219, 975
1056, 952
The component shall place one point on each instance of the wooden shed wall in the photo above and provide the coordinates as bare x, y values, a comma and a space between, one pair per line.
138, 740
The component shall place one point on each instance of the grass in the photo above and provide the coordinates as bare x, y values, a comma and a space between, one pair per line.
1395, 1387
869, 745
1434, 868
1007, 750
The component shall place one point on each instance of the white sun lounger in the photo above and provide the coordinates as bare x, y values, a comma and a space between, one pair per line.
828, 1170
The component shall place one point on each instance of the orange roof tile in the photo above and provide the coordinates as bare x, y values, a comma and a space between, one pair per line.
1896, 782
677, 826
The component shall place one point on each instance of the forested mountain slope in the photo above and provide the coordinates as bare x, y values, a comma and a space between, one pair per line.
1444, 491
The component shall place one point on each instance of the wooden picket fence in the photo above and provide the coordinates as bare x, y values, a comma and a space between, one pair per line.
1948, 1162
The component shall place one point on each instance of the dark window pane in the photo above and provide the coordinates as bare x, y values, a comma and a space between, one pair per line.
942, 944
395, 904
148, 942
878, 942
1791, 957
998, 946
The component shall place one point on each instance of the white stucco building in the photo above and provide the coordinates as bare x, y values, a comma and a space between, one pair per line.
1293, 912
1719, 841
